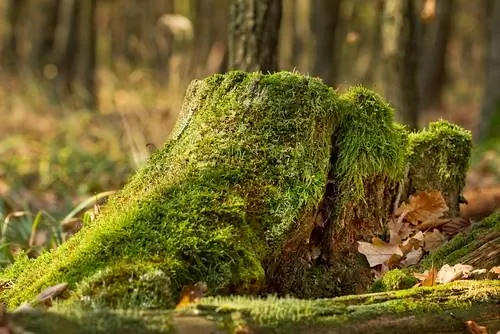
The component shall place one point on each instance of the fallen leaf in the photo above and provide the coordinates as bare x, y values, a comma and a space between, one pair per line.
432, 240
495, 271
423, 206
412, 243
412, 258
448, 273
378, 252
192, 294
428, 277
474, 328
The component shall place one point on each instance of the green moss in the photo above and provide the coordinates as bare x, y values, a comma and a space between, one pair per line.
369, 143
439, 158
395, 279
210, 206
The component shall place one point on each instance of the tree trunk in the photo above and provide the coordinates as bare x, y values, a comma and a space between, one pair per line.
489, 126
9, 52
86, 36
253, 35
371, 70
400, 59
324, 21
74, 51
433, 73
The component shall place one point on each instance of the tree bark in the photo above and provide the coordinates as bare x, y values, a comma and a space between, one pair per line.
324, 21
370, 74
400, 59
489, 126
433, 73
10, 39
253, 35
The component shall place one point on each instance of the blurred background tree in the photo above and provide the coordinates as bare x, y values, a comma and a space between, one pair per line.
87, 85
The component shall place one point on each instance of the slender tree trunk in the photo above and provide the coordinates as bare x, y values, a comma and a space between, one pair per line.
490, 113
74, 50
253, 35
324, 21
371, 69
400, 52
10, 43
84, 80
433, 73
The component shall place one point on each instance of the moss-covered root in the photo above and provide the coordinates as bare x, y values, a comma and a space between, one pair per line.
439, 160
480, 247
421, 310
443, 309
247, 164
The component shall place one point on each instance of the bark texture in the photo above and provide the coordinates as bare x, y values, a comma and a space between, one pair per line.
324, 21
400, 59
253, 35
433, 66
490, 112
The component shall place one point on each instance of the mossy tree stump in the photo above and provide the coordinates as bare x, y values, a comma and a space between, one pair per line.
266, 185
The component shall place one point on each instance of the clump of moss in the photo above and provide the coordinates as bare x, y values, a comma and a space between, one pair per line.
369, 143
396, 279
439, 158
241, 171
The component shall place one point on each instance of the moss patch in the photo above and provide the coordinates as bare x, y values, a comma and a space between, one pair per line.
439, 158
395, 279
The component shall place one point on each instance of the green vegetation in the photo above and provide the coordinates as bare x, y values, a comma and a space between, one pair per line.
243, 174
199, 213
439, 159
395, 279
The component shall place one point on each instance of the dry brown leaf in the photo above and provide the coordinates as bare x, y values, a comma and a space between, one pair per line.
474, 328
428, 277
430, 280
423, 207
412, 258
453, 226
432, 240
378, 252
399, 230
448, 273
395, 226
191, 294
495, 271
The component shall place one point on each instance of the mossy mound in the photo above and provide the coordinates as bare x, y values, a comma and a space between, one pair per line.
395, 279
439, 159
247, 163
266, 185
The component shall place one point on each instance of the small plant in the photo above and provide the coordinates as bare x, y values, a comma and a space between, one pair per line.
24, 231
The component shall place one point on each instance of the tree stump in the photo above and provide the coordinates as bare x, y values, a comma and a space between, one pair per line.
266, 185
